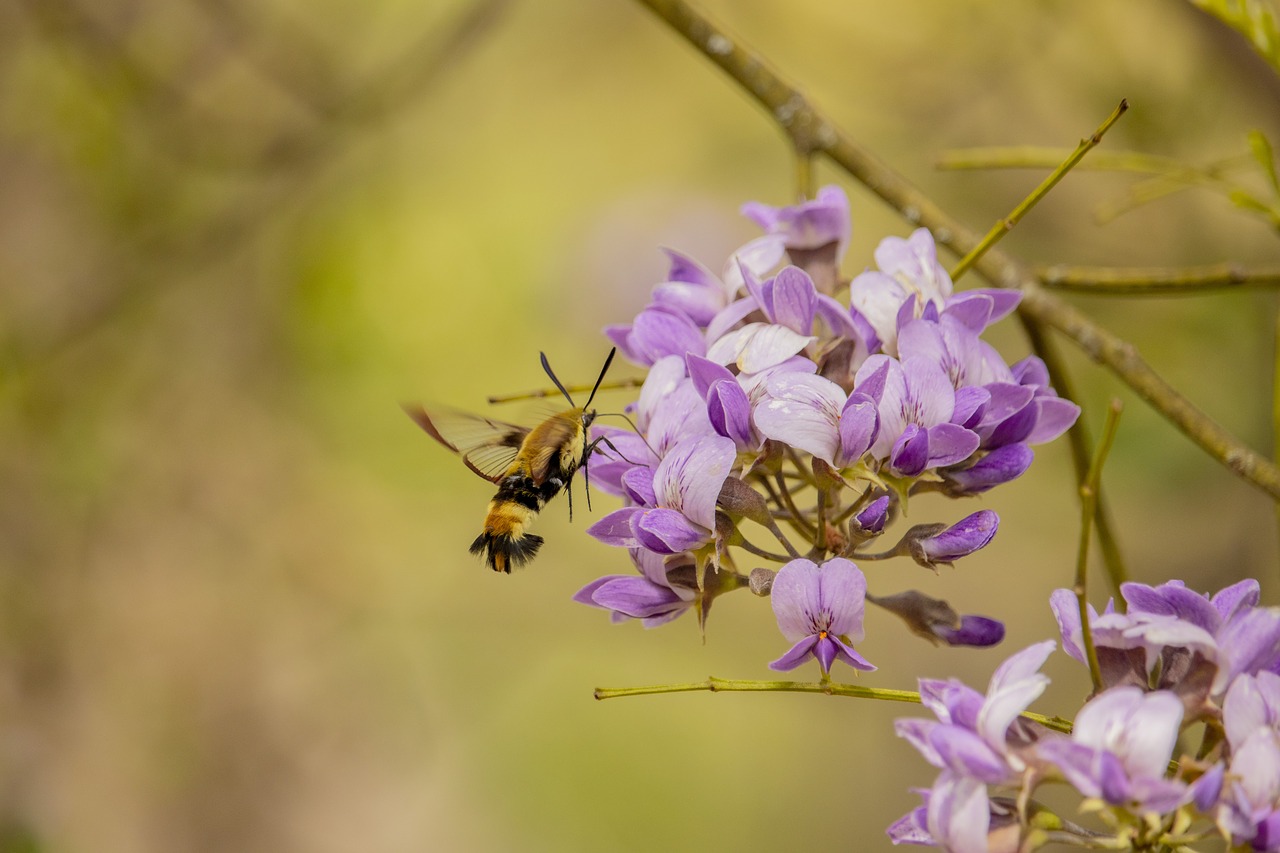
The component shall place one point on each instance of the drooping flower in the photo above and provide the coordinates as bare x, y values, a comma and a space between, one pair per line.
1196, 645
915, 404
649, 597
1119, 750
820, 610
677, 500
813, 414
935, 620
977, 740
815, 233
1250, 796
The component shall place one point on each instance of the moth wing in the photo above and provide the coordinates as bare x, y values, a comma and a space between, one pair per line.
488, 447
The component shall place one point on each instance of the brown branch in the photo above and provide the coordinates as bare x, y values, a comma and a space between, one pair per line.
1152, 281
810, 130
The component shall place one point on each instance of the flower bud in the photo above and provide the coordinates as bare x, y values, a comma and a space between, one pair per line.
871, 520
959, 540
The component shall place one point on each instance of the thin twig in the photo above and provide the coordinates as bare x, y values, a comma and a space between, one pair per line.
1004, 226
829, 688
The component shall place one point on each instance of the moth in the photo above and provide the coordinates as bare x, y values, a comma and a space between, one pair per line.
530, 465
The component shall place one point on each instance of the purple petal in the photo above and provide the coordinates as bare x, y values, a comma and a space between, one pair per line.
665, 377
704, 373
802, 410
1015, 685
730, 412
796, 655
977, 631
660, 331
1013, 429
730, 316
1244, 711
960, 814
849, 655
1056, 416
1250, 643
910, 453
796, 596
1172, 598
825, 651
1002, 302
859, 422
999, 466
972, 309
1113, 782
966, 754
1066, 610
950, 444
691, 475
917, 732
1206, 790
685, 268
872, 519
636, 597
757, 257
1031, 371
666, 531
1244, 594
795, 300
842, 590
585, 595
970, 534
638, 484
971, 403
929, 390
615, 528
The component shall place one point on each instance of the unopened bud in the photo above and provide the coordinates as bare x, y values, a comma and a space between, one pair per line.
761, 580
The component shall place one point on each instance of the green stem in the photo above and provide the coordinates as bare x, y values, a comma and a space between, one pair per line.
1081, 444
1088, 505
1004, 226
829, 688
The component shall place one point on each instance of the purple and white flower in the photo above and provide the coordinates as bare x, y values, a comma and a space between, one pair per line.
820, 609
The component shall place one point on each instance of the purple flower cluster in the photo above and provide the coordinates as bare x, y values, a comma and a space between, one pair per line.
782, 394
1173, 659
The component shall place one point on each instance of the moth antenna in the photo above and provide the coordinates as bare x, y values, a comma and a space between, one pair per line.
547, 367
608, 361
631, 424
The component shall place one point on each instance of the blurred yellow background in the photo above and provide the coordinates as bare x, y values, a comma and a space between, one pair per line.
236, 608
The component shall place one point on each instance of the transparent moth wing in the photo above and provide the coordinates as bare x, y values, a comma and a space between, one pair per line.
488, 447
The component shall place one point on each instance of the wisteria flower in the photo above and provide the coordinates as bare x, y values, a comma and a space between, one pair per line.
820, 610
1197, 644
649, 597
816, 233
916, 403
815, 415
677, 500
1119, 750
975, 735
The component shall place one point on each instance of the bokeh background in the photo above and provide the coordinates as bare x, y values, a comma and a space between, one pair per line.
236, 608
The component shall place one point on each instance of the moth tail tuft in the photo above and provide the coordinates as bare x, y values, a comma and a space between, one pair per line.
502, 551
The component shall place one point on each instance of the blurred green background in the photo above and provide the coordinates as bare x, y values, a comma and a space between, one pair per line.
236, 608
